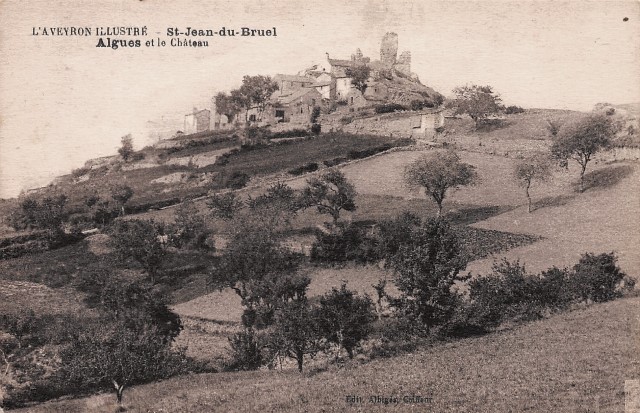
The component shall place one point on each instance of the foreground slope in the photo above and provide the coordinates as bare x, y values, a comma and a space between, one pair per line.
574, 362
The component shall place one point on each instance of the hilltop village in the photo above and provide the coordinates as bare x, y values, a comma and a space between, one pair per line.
336, 87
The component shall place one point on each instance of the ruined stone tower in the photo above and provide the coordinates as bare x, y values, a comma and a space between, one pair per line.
404, 63
389, 49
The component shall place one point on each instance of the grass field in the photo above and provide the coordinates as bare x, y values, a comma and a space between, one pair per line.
574, 362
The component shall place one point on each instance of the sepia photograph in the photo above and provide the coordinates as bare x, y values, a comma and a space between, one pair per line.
299, 206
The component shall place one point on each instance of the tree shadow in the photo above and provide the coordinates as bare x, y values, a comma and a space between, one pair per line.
606, 177
467, 216
551, 201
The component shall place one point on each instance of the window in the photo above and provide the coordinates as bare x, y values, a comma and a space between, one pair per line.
252, 118
279, 113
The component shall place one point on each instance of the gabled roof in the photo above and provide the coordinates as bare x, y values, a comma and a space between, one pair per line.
291, 97
294, 78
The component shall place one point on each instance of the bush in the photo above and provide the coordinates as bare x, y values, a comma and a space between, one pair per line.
310, 167
598, 278
346, 242
365, 153
315, 113
345, 120
511, 110
389, 108
418, 104
78, 172
246, 350
291, 133
237, 180
335, 161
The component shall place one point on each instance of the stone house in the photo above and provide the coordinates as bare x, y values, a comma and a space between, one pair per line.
287, 83
197, 121
294, 107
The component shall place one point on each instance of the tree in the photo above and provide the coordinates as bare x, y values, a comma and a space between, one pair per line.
359, 75
191, 228
131, 340
257, 90
330, 193
295, 333
534, 168
438, 172
140, 241
581, 140
48, 214
344, 318
426, 268
224, 206
478, 102
126, 150
228, 105
260, 270
121, 194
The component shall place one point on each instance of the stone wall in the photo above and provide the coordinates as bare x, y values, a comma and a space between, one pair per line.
400, 125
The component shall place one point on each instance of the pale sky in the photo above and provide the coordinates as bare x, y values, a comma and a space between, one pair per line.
63, 101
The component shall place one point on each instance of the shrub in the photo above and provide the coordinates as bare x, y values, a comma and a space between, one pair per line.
335, 161
291, 133
346, 242
418, 104
389, 108
365, 153
237, 180
397, 232
310, 167
345, 120
511, 110
246, 350
78, 172
315, 113
224, 206
598, 278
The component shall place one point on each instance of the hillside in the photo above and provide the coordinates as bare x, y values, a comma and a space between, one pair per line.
573, 362
491, 215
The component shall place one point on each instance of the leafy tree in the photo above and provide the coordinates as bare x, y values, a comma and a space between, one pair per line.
126, 150
277, 205
295, 333
224, 206
359, 75
191, 227
438, 172
534, 168
598, 277
131, 340
140, 241
344, 318
121, 194
112, 355
257, 90
581, 140
48, 214
260, 270
330, 193
478, 102
229, 105
426, 269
